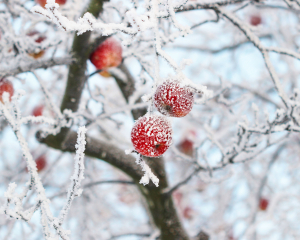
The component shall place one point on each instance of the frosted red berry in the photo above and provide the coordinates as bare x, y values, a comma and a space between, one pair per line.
255, 20
6, 86
43, 2
151, 135
263, 204
173, 100
108, 54
38, 111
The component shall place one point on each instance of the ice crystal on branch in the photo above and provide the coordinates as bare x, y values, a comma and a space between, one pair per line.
149, 175
75, 190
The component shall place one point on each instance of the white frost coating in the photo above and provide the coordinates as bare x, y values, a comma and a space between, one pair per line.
128, 151
47, 218
75, 190
139, 23
148, 173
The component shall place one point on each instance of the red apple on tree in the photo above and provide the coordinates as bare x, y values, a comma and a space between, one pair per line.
263, 204
255, 20
43, 2
178, 196
188, 213
151, 135
41, 163
172, 100
186, 147
38, 111
38, 39
108, 54
6, 86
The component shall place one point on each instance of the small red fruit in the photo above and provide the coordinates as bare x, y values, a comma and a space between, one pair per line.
178, 196
188, 213
263, 204
38, 39
108, 54
151, 135
6, 86
38, 111
255, 20
173, 100
43, 2
186, 147
41, 163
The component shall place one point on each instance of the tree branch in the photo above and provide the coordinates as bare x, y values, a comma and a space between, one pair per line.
32, 65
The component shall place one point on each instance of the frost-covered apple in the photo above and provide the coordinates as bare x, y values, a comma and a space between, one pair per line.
43, 2
108, 54
263, 204
6, 86
38, 111
173, 100
255, 20
38, 39
151, 135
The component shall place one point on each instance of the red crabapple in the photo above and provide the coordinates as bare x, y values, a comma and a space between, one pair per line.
43, 2
255, 20
38, 39
151, 135
108, 54
188, 212
263, 204
38, 111
41, 163
6, 86
186, 147
173, 100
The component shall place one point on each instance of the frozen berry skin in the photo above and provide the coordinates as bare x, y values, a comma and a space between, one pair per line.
255, 20
151, 136
108, 54
263, 204
6, 86
38, 39
172, 100
43, 2
38, 111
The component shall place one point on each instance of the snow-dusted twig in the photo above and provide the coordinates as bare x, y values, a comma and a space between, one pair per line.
148, 172
47, 217
75, 190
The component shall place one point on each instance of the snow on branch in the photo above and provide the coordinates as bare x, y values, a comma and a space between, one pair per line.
86, 23
148, 172
13, 116
75, 190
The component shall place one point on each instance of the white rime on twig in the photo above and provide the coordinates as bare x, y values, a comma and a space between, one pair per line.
148, 173
77, 177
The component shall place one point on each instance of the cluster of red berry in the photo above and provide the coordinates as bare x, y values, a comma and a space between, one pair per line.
151, 135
